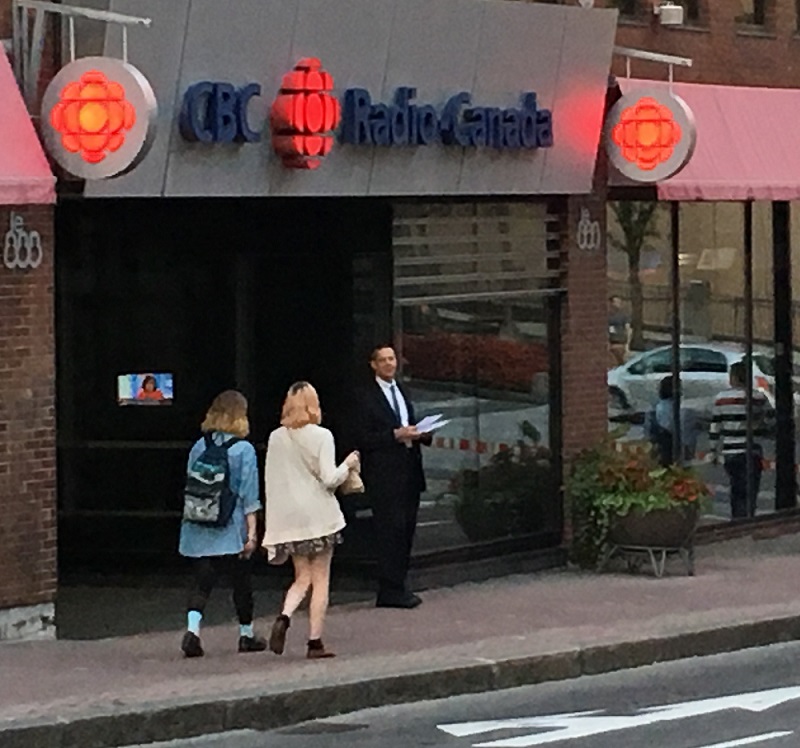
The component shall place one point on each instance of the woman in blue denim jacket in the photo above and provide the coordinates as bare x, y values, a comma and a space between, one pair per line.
225, 550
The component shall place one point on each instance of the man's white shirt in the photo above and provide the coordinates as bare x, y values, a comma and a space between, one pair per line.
386, 388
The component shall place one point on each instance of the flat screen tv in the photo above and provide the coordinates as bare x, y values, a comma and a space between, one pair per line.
145, 389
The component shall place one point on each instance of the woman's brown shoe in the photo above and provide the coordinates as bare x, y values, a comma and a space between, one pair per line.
316, 650
277, 637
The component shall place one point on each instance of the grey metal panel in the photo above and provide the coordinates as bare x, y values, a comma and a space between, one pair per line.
156, 51
420, 56
585, 62
493, 48
250, 44
352, 41
520, 51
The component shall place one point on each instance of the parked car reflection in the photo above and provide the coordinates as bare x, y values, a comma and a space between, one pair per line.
705, 371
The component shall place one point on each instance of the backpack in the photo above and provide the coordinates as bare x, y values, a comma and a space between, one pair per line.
208, 499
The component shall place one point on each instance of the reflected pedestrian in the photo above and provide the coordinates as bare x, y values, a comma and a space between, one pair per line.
658, 426
729, 439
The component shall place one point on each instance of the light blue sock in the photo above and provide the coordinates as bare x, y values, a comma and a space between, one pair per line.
246, 630
195, 616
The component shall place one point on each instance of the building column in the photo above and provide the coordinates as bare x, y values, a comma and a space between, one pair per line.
27, 425
584, 332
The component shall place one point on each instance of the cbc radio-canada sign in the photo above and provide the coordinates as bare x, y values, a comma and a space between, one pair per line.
22, 250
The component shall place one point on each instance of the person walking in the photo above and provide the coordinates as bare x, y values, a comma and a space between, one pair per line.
303, 518
729, 439
218, 531
389, 444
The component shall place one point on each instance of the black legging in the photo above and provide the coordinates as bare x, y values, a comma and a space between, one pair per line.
206, 572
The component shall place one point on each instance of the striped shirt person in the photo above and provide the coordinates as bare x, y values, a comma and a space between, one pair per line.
729, 438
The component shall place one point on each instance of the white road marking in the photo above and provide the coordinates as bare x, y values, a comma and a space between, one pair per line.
586, 724
750, 741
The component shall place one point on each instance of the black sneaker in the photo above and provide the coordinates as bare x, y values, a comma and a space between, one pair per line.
191, 646
252, 643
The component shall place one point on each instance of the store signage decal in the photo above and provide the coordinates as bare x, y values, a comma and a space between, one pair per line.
22, 250
458, 123
589, 236
217, 113
305, 115
98, 117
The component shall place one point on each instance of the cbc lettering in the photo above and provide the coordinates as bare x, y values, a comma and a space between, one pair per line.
403, 123
22, 250
217, 113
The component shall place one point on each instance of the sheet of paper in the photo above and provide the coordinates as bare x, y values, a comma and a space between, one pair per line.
431, 423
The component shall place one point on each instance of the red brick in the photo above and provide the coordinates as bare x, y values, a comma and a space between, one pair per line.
27, 426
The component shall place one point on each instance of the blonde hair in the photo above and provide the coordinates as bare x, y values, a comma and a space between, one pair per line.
228, 413
301, 406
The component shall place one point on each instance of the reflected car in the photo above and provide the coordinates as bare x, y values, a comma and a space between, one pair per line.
705, 372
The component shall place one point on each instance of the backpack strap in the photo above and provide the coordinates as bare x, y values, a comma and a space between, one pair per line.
209, 440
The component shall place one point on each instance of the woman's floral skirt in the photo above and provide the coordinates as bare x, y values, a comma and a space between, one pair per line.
280, 553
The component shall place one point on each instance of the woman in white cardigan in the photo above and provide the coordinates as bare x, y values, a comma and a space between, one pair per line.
303, 518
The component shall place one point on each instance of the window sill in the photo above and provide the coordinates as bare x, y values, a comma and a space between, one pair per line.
756, 32
693, 28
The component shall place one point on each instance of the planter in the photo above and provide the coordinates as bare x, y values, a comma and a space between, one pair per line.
660, 528
654, 535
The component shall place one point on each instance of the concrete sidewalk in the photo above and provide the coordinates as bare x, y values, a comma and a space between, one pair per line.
473, 637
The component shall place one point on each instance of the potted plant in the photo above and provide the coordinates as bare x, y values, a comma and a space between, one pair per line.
620, 496
516, 492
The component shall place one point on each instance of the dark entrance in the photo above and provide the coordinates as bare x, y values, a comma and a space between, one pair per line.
244, 293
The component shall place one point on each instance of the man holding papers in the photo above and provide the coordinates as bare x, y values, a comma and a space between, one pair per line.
389, 439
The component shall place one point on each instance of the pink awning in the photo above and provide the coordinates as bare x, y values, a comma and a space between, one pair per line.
25, 175
748, 143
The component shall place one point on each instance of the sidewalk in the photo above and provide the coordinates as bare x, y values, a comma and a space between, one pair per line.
469, 638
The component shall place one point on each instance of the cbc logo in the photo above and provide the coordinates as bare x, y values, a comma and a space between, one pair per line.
22, 250
589, 234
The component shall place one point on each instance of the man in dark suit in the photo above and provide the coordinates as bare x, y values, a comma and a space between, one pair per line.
392, 469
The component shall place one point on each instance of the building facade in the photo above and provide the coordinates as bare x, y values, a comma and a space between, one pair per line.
443, 216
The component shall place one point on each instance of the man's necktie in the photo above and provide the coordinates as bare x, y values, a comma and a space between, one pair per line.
396, 404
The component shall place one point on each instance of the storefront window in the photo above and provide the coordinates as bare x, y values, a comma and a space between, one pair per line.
713, 317
484, 367
473, 333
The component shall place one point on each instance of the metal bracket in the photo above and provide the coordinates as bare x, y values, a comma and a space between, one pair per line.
642, 54
28, 44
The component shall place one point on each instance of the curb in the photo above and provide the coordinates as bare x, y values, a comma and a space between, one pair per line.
180, 720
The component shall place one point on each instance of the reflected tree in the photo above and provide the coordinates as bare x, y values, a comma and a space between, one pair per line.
637, 222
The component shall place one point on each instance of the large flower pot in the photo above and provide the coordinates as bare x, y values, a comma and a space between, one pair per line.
659, 528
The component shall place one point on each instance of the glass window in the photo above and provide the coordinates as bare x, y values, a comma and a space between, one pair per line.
705, 360
659, 362
692, 8
626, 7
752, 12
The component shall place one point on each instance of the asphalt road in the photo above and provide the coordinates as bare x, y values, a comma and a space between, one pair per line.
748, 698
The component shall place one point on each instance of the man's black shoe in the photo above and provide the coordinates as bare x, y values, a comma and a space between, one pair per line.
407, 600
190, 646
252, 643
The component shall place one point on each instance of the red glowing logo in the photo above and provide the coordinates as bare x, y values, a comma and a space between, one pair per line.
647, 133
92, 116
303, 116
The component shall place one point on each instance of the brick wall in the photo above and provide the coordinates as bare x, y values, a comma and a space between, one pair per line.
722, 50
27, 423
5, 19
584, 348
